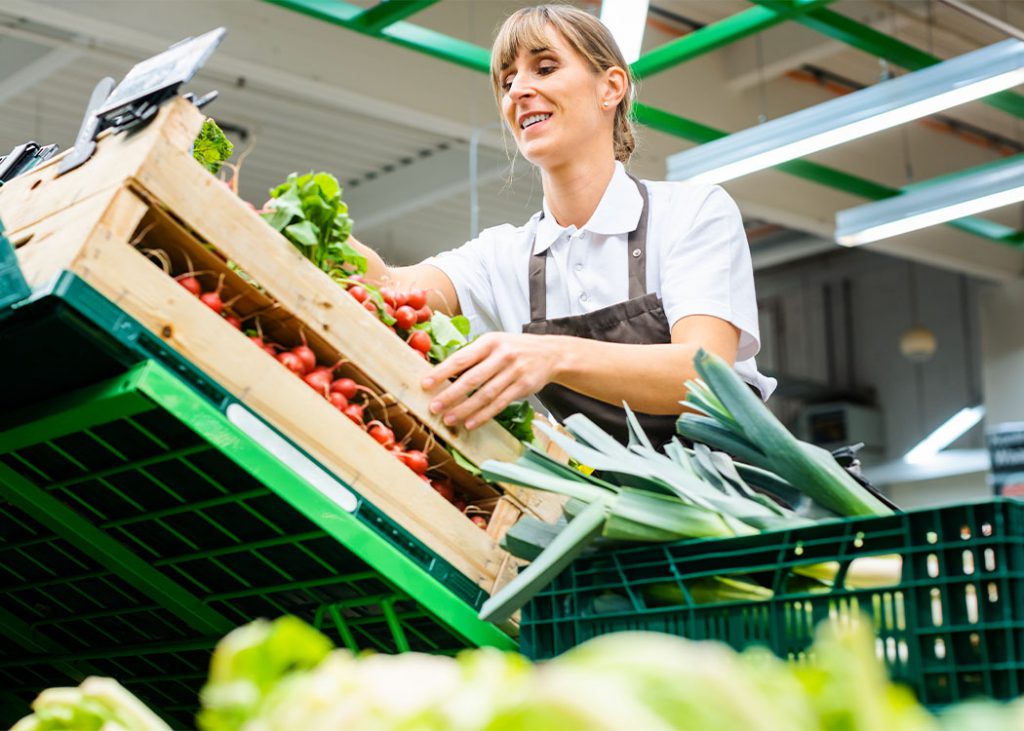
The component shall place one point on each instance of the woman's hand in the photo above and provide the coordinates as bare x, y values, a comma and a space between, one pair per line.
496, 369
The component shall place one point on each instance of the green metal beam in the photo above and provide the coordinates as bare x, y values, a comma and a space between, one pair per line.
879, 44
716, 35
803, 11
400, 33
386, 12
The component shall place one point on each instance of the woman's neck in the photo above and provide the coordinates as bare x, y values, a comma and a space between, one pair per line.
574, 191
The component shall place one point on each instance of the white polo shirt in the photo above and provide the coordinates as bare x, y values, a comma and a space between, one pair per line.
698, 263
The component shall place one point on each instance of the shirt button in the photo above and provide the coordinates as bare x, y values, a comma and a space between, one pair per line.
584, 297
579, 266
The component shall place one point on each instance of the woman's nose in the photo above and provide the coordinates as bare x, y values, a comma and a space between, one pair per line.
519, 89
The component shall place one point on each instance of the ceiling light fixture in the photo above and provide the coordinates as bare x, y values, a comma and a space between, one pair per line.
887, 104
954, 428
626, 20
927, 204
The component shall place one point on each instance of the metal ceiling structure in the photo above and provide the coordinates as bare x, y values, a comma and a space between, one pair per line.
386, 21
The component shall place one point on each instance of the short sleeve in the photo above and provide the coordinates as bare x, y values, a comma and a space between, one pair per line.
707, 269
467, 269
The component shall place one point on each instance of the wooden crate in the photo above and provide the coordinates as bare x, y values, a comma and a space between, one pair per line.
144, 192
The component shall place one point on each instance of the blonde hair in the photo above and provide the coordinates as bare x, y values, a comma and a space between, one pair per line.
588, 36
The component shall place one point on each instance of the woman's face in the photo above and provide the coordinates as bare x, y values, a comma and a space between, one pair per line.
552, 102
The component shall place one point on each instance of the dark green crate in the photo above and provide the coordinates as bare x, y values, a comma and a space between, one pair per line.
139, 523
952, 628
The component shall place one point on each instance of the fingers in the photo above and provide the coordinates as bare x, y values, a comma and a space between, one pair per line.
457, 362
487, 401
478, 378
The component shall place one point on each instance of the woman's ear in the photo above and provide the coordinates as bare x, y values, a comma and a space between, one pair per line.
616, 82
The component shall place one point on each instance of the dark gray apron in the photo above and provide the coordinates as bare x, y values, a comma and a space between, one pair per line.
639, 320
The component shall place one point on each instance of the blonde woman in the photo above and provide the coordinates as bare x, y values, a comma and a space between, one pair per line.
606, 294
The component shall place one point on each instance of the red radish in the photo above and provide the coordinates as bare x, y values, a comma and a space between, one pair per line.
191, 284
354, 412
233, 321
269, 350
424, 314
337, 400
370, 306
417, 299
213, 301
388, 295
420, 340
258, 340
346, 387
319, 379
444, 488
389, 309
306, 355
479, 520
359, 293
405, 317
384, 436
292, 362
401, 300
460, 505
415, 460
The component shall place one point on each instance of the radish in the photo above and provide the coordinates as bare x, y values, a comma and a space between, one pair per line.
233, 321
337, 400
405, 317
306, 355
401, 300
370, 306
479, 520
382, 434
389, 310
354, 412
388, 295
424, 314
415, 460
417, 299
213, 301
420, 340
460, 505
359, 293
444, 488
191, 284
258, 340
346, 387
319, 379
292, 362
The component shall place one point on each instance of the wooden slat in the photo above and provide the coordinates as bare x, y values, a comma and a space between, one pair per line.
219, 216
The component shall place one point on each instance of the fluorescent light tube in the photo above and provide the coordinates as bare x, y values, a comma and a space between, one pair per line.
927, 204
887, 104
955, 427
626, 20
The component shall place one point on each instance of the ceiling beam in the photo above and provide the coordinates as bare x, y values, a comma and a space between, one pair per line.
31, 74
387, 12
869, 40
428, 180
716, 35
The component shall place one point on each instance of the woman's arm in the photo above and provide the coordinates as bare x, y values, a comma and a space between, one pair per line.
440, 290
500, 368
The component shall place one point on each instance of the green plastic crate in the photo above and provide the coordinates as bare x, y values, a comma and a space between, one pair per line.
144, 514
952, 628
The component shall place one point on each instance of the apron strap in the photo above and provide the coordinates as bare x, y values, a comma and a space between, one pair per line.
636, 256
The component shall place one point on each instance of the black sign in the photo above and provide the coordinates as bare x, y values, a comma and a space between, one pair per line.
1006, 451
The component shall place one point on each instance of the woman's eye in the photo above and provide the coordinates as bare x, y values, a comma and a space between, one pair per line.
545, 70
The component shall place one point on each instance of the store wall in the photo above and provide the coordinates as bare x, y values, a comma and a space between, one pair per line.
831, 327
1001, 310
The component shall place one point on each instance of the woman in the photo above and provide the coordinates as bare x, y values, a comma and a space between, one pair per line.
606, 294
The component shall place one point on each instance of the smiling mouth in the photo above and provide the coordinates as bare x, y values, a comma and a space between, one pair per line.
532, 120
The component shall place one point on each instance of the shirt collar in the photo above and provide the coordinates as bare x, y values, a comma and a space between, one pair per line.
617, 213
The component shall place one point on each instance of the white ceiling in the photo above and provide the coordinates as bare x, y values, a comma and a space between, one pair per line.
395, 125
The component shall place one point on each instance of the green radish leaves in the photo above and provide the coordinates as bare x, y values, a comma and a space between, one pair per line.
211, 148
309, 212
